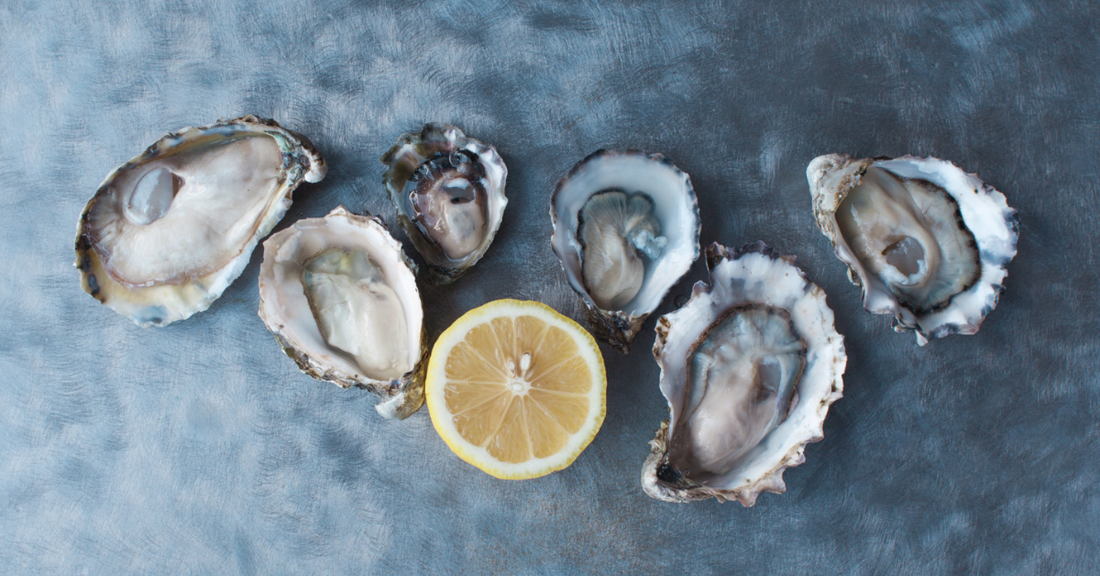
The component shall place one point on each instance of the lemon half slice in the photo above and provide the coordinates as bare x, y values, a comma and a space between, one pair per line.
516, 389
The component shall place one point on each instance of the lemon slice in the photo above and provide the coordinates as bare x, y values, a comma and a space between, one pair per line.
516, 389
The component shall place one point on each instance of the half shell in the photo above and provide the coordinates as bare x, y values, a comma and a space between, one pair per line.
169, 231
928, 243
749, 367
626, 229
341, 299
448, 189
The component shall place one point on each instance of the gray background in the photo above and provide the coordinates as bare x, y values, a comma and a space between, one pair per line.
199, 448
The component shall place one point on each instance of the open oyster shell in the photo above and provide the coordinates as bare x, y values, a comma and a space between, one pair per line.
928, 243
449, 193
169, 231
340, 297
626, 229
749, 366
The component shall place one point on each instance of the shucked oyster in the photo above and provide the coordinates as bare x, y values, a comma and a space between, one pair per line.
928, 242
749, 366
449, 193
626, 229
168, 231
340, 296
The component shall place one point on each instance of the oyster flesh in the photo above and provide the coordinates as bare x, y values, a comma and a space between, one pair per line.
449, 193
928, 243
340, 297
168, 231
749, 367
626, 229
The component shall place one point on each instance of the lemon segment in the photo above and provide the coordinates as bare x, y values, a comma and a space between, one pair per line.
516, 389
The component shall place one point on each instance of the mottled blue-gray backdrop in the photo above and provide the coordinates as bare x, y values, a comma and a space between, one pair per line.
200, 448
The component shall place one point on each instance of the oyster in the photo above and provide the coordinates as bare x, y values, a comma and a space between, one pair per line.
449, 193
168, 231
340, 297
928, 243
626, 229
749, 367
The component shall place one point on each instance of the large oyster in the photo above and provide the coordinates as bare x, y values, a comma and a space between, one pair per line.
449, 193
340, 297
749, 366
626, 229
928, 242
168, 231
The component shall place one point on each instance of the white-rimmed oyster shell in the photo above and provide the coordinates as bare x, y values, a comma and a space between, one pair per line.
626, 229
928, 243
168, 231
448, 189
749, 367
340, 297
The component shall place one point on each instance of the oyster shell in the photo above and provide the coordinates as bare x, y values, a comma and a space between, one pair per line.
927, 242
749, 367
168, 231
340, 297
449, 193
626, 229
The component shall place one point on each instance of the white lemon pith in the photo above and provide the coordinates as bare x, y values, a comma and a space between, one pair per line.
516, 389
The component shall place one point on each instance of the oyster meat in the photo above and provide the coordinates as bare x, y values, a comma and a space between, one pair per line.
340, 297
626, 229
449, 193
749, 367
927, 242
168, 231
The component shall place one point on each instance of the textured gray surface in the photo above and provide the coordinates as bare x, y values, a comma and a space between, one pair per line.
199, 448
